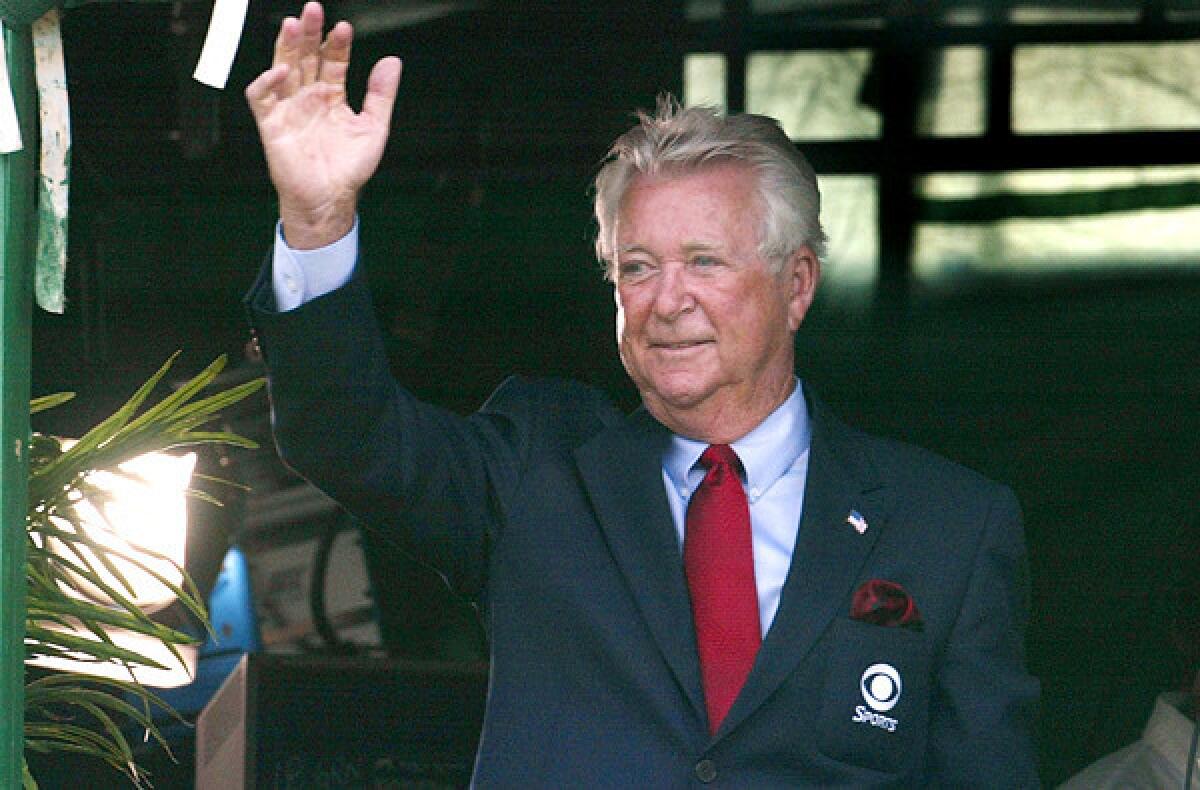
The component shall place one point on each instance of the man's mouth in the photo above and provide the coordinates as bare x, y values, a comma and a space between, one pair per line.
678, 345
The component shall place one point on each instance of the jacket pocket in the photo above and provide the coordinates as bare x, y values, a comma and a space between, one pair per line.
875, 698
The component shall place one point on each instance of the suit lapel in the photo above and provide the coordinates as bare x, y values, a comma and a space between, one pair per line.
826, 561
622, 472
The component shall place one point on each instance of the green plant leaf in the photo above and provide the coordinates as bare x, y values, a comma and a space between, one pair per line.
87, 649
62, 555
49, 401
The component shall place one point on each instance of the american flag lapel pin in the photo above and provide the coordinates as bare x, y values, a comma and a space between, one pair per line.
856, 520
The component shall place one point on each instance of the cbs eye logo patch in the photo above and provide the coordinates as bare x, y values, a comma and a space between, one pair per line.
881, 688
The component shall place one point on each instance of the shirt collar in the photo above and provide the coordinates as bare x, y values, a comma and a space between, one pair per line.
767, 452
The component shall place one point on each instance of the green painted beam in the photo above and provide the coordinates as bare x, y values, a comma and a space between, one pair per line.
17, 237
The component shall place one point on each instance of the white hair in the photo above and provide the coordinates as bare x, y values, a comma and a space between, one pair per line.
684, 139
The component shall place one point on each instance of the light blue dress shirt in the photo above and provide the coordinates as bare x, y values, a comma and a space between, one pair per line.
774, 454
299, 276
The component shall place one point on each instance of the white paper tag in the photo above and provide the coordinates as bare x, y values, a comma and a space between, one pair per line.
221, 43
53, 109
10, 127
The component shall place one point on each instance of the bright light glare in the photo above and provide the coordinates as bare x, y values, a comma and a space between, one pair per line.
145, 508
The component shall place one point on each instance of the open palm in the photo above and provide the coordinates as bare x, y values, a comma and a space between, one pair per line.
319, 151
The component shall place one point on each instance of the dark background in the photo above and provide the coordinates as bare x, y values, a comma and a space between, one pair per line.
1079, 391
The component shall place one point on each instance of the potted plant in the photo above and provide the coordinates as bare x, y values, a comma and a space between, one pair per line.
78, 585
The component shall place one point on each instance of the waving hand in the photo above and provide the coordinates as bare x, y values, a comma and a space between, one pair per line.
319, 151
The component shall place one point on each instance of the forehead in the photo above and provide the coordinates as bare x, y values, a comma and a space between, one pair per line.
719, 200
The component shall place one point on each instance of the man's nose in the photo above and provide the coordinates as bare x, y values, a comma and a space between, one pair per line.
673, 295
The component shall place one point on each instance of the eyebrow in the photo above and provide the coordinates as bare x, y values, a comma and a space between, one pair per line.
694, 246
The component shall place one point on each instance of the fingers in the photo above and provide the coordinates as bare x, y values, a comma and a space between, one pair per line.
312, 20
286, 51
261, 94
298, 45
335, 55
381, 90
302, 60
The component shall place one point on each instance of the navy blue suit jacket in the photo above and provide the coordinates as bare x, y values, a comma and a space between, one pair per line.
548, 505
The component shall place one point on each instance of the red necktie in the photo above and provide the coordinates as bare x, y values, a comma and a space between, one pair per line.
718, 559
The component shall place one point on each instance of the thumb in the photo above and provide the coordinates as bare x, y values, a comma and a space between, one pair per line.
382, 86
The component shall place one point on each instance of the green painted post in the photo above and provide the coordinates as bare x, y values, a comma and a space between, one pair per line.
17, 236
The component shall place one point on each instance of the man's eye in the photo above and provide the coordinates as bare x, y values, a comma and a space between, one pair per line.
632, 269
704, 261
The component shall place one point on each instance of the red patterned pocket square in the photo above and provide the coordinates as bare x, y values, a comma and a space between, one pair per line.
886, 603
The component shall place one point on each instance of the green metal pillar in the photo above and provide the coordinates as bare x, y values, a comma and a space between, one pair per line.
18, 233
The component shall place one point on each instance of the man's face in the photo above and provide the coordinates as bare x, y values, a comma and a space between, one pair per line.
704, 328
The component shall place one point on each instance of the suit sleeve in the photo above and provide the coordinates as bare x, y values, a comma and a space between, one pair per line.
982, 717
431, 479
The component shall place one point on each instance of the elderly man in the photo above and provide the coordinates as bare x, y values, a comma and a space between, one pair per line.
727, 586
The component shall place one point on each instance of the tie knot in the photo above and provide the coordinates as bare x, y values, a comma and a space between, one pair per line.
717, 455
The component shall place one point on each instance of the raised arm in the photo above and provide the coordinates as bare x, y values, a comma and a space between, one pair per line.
319, 151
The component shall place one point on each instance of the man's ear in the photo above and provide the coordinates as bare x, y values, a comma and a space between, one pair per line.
801, 273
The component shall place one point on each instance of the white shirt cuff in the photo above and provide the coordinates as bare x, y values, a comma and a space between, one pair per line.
299, 276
